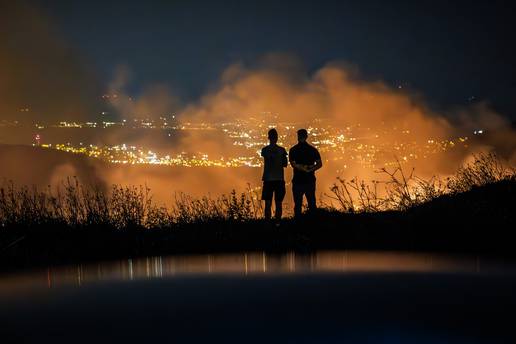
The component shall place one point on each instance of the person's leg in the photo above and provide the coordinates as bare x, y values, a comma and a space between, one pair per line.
267, 197
279, 195
297, 193
310, 197
267, 211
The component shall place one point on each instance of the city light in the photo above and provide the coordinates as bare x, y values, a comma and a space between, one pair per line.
347, 144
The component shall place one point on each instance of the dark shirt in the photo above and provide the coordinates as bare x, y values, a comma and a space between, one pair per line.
275, 159
304, 154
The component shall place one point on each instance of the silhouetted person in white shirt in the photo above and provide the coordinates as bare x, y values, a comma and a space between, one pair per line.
275, 160
305, 160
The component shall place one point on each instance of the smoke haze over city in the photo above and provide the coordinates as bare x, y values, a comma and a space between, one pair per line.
361, 122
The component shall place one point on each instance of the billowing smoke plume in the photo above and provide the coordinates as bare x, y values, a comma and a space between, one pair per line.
335, 92
42, 78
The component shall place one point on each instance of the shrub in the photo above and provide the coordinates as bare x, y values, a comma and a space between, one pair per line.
401, 190
75, 205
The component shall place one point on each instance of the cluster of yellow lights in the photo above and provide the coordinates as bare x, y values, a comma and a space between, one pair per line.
135, 156
351, 144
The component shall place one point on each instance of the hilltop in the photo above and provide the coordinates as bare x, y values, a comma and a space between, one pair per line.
478, 221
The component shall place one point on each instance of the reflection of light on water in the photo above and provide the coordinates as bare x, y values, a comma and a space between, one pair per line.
251, 263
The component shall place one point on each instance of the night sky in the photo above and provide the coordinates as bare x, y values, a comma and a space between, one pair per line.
448, 52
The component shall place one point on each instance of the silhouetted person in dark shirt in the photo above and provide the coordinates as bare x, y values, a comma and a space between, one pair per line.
275, 160
305, 160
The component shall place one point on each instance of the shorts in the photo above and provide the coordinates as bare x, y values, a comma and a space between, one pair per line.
276, 187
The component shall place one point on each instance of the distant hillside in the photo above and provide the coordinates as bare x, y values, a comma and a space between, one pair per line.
27, 165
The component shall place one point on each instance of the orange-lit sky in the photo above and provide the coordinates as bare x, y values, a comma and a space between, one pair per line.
425, 69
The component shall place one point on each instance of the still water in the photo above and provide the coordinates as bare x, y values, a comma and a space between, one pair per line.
249, 263
256, 297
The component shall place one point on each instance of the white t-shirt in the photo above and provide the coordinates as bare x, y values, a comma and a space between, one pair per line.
275, 160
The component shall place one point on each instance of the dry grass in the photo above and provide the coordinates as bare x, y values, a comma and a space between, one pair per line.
397, 190
74, 205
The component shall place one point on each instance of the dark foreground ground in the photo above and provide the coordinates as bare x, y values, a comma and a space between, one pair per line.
480, 221
298, 308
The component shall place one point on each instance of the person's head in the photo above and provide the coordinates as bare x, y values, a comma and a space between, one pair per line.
302, 135
272, 135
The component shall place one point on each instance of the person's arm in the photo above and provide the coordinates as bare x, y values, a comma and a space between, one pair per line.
295, 165
299, 166
318, 162
318, 165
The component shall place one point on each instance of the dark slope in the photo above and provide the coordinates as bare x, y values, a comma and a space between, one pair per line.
480, 221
